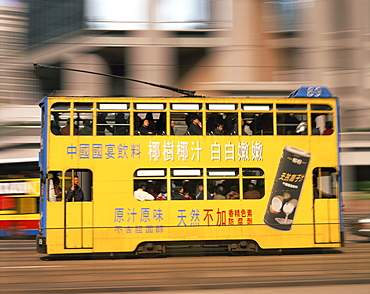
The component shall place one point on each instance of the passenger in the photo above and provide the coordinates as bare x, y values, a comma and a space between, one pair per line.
230, 121
145, 129
200, 195
149, 117
251, 192
213, 120
57, 188
102, 124
189, 118
163, 193
256, 124
233, 194
75, 193
86, 130
220, 193
195, 127
66, 129
141, 195
328, 128
121, 127
150, 187
172, 126
55, 128
179, 194
219, 130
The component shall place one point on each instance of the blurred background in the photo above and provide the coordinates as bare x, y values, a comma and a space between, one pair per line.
217, 47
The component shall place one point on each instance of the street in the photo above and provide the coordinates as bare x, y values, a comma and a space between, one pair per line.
25, 271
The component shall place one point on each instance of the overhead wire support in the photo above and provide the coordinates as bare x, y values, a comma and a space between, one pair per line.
187, 93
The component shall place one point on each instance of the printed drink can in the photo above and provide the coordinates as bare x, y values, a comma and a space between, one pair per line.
287, 187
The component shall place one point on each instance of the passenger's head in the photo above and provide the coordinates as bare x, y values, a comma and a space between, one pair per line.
163, 188
142, 185
195, 120
86, 122
56, 180
179, 189
220, 127
75, 180
251, 187
172, 123
145, 123
220, 190
329, 124
200, 187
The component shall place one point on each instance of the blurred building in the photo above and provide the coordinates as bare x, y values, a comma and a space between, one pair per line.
217, 47
17, 85
19, 93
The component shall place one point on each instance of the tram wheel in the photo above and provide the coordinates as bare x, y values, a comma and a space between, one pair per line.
243, 248
149, 250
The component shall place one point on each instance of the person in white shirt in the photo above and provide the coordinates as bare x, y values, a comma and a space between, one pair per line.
141, 195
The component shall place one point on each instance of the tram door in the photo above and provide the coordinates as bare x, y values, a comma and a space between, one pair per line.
326, 210
79, 214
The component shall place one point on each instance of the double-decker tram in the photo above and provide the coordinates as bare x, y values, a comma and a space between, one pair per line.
142, 174
19, 207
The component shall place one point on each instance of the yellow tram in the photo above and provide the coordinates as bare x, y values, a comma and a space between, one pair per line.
238, 187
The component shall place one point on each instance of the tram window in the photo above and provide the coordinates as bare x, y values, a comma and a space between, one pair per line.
150, 106
19, 205
156, 188
8, 204
253, 183
121, 124
320, 107
60, 106
253, 172
322, 123
113, 123
83, 106
150, 173
113, 106
182, 122
84, 123
150, 123
254, 123
145, 180
220, 186
54, 186
228, 121
325, 183
186, 107
291, 107
257, 107
221, 107
27, 205
253, 188
292, 123
78, 185
185, 189
60, 123
185, 183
